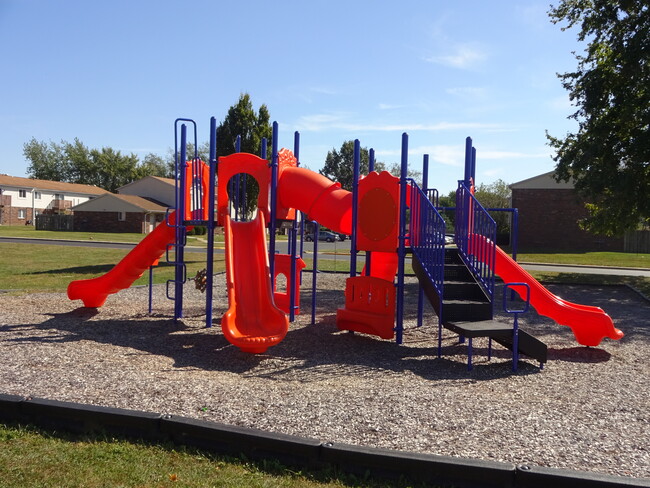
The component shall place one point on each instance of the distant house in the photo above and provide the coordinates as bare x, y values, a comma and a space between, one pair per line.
21, 199
159, 189
119, 213
548, 217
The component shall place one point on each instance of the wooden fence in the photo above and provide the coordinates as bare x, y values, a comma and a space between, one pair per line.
637, 241
54, 222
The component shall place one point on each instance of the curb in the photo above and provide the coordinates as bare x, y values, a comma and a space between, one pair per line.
296, 451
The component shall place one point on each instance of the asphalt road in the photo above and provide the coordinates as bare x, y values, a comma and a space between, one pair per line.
325, 248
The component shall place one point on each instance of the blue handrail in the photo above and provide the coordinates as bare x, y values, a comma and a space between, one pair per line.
427, 231
476, 235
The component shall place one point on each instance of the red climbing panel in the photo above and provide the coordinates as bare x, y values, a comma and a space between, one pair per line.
378, 216
369, 307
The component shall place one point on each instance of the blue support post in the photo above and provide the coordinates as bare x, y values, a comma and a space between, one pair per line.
401, 252
371, 168
179, 275
355, 208
150, 289
425, 189
210, 217
293, 245
314, 274
274, 198
468, 161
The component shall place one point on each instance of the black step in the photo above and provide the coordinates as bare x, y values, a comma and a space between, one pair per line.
458, 272
502, 333
464, 290
466, 311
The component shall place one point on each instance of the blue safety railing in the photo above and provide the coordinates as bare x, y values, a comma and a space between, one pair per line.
427, 234
476, 235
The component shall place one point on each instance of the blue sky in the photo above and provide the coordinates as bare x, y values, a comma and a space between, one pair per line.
117, 74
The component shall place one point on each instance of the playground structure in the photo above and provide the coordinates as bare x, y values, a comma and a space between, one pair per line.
386, 216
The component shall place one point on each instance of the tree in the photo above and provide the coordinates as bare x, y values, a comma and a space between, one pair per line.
608, 158
241, 120
339, 165
154, 165
496, 195
76, 163
46, 161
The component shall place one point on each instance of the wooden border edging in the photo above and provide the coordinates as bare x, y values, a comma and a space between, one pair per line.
293, 450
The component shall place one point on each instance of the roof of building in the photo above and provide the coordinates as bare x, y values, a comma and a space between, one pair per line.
138, 203
30, 183
167, 181
545, 181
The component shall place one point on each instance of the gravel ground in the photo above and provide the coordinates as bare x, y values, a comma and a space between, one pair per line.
587, 410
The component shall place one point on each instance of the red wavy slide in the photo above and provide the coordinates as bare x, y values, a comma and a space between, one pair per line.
93, 292
252, 322
590, 325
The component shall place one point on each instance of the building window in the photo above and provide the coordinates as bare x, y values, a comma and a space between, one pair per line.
121, 216
22, 193
59, 196
22, 213
37, 195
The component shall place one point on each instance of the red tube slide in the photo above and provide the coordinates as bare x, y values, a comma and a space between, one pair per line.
252, 322
589, 324
93, 292
320, 198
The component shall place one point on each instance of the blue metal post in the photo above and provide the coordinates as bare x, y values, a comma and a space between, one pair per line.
293, 245
314, 273
210, 217
179, 277
274, 198
401, 253
263, 148
371, 168
468, 161
150, 289
425, 182
473, 169
355, 208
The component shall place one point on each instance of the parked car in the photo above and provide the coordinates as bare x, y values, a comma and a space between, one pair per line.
323, 235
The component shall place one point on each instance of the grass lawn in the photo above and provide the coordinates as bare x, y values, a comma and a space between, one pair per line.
37, 267
615, 259
32, 233
34, 458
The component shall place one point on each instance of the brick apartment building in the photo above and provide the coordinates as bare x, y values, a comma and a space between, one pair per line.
21, 199
548, 217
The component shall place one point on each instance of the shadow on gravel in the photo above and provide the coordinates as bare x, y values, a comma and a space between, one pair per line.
582, 354
325, 351
321, 349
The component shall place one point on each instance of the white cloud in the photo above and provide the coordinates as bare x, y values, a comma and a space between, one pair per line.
462, 56
341, 121
388, 106
467, 91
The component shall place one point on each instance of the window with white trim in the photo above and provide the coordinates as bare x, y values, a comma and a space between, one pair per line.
22, 213
121, 216
22, 193
37, 195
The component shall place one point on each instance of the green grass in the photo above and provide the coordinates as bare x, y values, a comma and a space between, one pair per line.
34, 458
616, 259
32, 233
37, 267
